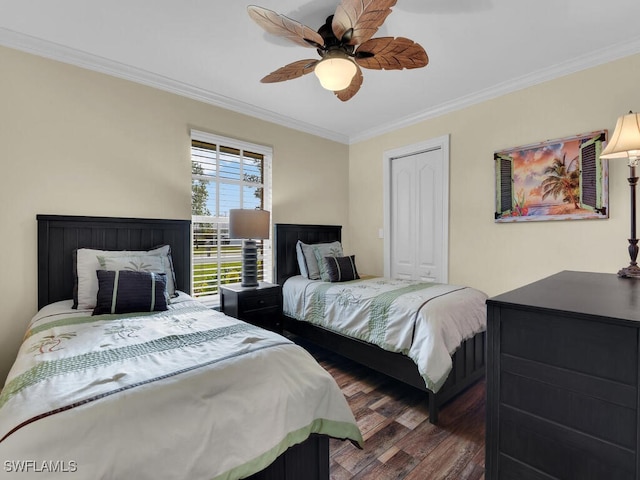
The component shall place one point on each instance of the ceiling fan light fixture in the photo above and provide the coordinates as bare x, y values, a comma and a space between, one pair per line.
344, 43
335, 72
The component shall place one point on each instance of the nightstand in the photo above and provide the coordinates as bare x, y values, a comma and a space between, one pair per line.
261, 305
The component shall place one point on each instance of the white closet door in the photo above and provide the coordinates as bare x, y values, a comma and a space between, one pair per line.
417, 224
403, 231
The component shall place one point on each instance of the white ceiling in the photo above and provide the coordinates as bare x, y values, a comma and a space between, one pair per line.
212, 51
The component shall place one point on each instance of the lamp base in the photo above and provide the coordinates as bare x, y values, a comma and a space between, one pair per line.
632, 271
249, 264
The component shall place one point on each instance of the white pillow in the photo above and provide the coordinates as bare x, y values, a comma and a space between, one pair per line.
333, 249
87, 262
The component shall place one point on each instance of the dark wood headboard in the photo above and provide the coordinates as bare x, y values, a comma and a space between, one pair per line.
60, 235
286, 235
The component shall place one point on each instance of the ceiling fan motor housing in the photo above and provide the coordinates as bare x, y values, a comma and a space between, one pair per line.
331, 42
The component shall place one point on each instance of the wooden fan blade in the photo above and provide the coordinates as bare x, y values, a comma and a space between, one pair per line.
283, 26
388, 53
291, 71
363, 16
353, 88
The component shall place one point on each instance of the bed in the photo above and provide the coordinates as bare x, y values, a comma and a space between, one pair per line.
181, 391
467, 362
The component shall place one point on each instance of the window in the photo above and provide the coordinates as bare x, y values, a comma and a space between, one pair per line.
225, 174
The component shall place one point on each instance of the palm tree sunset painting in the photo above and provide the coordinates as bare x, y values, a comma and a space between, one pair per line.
562, 179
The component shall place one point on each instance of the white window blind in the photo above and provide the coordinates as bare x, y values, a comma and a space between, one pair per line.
225, 174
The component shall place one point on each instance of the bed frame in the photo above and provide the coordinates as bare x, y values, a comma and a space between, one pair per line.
59, 235
468, 360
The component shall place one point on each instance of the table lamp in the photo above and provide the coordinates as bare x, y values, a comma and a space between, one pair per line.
249, 225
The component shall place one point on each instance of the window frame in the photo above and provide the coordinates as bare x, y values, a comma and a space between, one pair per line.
221, 142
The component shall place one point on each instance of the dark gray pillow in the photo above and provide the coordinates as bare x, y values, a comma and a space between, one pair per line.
341, 269
126, 291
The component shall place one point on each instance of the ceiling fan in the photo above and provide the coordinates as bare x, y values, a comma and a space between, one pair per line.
344, 44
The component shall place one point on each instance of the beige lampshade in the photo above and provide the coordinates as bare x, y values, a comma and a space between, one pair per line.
245, 223
625, 141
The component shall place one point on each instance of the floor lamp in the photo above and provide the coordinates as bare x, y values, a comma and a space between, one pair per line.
625, 143
249, 225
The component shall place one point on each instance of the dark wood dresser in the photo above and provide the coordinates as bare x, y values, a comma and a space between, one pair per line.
562, 379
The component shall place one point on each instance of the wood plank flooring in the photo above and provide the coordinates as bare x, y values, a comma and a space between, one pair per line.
400, 443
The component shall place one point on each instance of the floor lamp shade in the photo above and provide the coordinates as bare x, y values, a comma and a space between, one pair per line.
249, 225
625, 143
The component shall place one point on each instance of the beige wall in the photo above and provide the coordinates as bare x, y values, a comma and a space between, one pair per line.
499, 257
82, 143
77, 142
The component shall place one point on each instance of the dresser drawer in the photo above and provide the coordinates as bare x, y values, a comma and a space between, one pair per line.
259, 302
594, 348
559, 452
577, 411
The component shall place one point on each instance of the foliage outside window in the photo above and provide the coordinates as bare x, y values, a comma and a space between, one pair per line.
225, 174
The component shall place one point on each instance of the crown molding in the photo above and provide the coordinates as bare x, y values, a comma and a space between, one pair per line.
584, 62
61, 53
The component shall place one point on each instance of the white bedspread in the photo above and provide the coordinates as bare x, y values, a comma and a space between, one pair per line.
425, 321
184, 394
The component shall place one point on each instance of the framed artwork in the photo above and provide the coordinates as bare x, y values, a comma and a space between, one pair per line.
562, 179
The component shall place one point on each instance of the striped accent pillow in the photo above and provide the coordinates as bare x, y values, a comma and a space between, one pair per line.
341, 269
125, 291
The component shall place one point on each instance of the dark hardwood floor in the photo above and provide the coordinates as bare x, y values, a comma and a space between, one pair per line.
400, 443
